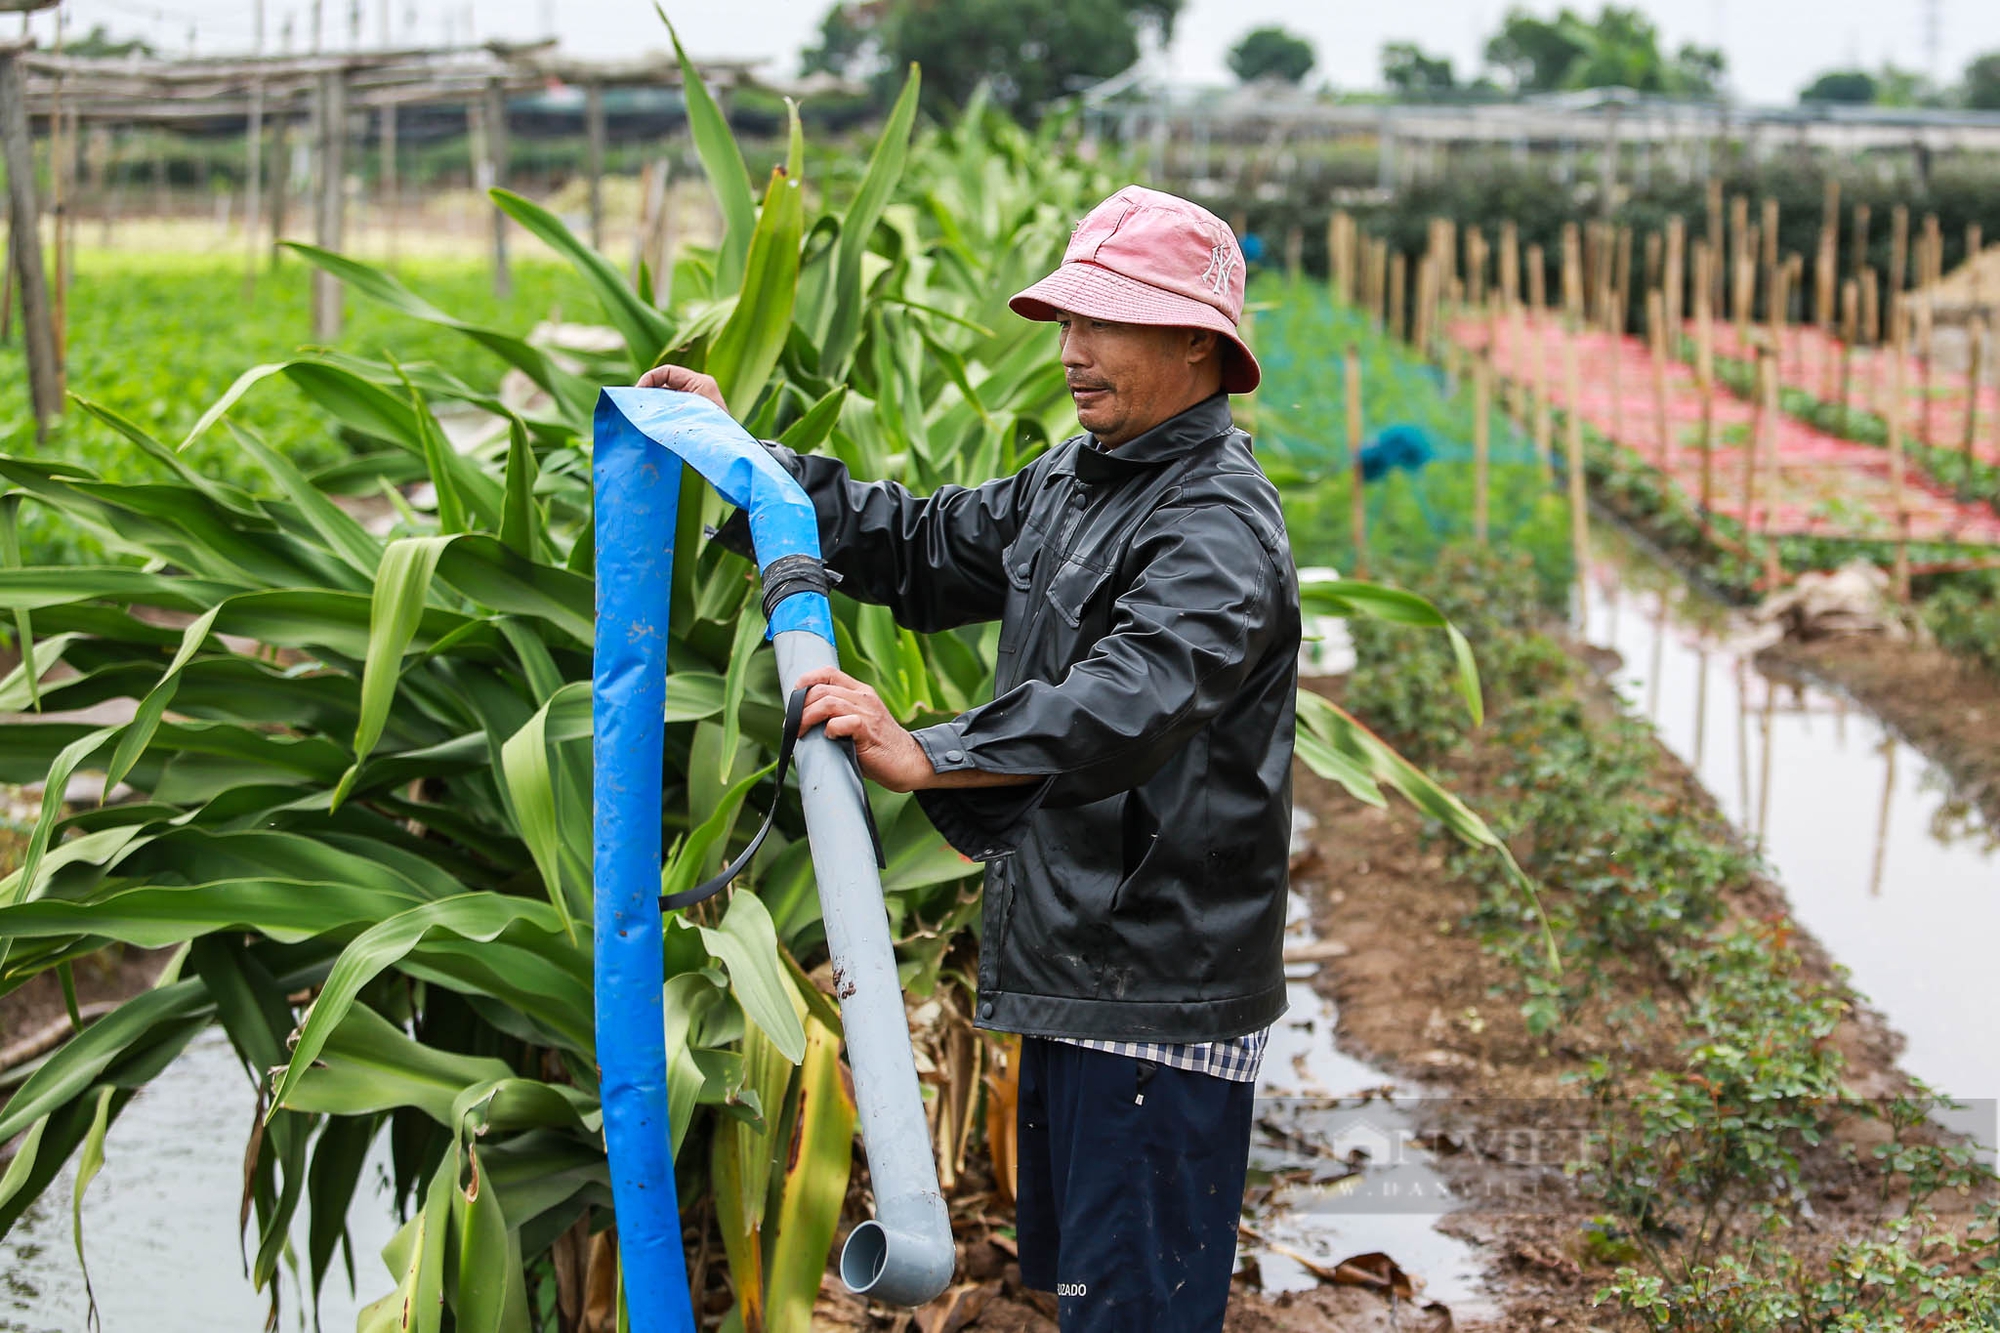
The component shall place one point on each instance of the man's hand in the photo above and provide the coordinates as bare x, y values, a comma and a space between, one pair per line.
682, 380
889, 755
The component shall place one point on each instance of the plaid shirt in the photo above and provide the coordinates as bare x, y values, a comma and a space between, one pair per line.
1236, 1059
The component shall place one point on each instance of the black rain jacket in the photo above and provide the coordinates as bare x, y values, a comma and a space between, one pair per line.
1148, 660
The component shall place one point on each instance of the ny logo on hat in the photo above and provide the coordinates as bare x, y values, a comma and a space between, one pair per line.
1221, 263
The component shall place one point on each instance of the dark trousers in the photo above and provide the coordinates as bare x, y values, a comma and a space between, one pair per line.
1130, 1187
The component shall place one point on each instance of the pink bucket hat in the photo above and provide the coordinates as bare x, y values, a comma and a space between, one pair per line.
1146, 257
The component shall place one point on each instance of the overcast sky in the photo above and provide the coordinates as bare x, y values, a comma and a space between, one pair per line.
1774, 46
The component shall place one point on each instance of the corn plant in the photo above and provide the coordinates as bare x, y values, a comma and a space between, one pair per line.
361, 757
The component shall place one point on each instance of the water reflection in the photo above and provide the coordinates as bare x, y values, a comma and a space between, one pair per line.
1895, 877
159, 1222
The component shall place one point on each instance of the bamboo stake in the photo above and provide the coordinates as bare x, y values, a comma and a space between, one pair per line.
1826, 258
1359, 517
1579, 519
1538, 280
1894, 420
1933, 273
1717, 263
1397, 281
1751, 448
1871, 309
1977, 337
1572, 273
1850, 316
1899, 246
1378, 276
1769, 447
1338, 264
1768, 260
1704, 372
1510, 265
1673, 307
1655, 261
1617, 276
1746, 289
1861, 216
1739, 228
1475, 266
1482, 407
1656, 326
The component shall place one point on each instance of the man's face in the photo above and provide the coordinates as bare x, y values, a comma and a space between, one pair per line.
1128, 378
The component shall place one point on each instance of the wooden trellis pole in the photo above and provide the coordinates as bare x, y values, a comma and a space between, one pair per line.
38, 333
1704, 372
1340, 255
1893, 418
1378, 284
1673, 298
496, 157
1717, 262
1850, 319
392, 190
1767, 231
1975, 337
253, 179
1617, 307
1753, 449
1510, 265
1739, 255
1899, 251
1358, 502
1398, 280
329, 158
1927, 279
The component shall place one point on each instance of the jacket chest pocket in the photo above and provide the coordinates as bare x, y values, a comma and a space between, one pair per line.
1074, 589
1018, 562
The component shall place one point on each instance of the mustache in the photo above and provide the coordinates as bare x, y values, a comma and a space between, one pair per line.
1076, 385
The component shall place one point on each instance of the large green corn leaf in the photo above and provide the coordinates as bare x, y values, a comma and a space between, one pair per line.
1352, 597
402, 584
885, 169
746, 350
818, 1154
481, 918
645, 330
1343, 750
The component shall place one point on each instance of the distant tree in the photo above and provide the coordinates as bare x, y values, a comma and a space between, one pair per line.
1415, 75
1271, 52
1855, 87
1029, 52
98, 43
1620, 49
1982, 83
1904, 87
1537, 53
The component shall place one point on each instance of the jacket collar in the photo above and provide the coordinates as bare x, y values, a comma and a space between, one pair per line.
1171, 439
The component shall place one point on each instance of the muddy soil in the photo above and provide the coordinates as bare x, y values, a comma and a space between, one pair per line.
1418, 996
1943, 704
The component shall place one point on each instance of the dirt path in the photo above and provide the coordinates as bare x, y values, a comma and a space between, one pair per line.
1418, 996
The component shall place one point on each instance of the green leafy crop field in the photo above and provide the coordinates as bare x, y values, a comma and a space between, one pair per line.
159, 337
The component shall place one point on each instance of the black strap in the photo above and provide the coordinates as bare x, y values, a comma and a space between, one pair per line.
790, 575
795, 708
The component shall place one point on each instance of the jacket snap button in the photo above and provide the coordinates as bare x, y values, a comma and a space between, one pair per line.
1022, 570
953, 756
986, 1010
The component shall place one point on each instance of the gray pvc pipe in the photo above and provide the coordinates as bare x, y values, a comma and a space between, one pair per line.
905, 1256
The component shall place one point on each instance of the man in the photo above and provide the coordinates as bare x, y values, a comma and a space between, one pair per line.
1129, 786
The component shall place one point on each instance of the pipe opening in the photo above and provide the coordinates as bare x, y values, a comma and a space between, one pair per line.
864, 1257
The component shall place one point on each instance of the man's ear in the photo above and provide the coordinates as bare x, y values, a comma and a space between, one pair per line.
1201, 346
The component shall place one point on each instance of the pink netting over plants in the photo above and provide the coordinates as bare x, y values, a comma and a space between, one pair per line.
1815, 484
